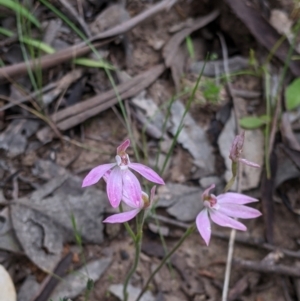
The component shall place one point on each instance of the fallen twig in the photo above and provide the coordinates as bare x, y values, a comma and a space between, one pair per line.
81, 49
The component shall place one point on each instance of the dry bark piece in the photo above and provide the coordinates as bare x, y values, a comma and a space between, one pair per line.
265, 267
263, 31
42, 221
82, 111
174, 56
170, 50
62, 85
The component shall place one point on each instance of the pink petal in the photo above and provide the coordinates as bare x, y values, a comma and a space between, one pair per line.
129, 201
96, 174
226, 221
203, 225
239, 211
205, 193
123, 146
114, 187
132, 188
235, 198
147, 173
249, 163
122, 217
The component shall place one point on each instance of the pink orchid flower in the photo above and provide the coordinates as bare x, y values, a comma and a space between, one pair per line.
236, 151
121, 178
145, 202
221, 209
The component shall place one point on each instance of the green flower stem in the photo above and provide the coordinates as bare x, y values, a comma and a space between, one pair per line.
234, 168
187, 233
138, 244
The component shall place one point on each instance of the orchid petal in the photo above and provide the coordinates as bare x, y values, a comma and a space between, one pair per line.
114, 187
147, 173
235, 198
122, 217
205, 193
249, 163
96, 174
123, 146
226, 221
129, 201
239, 211
132, 188
203, 225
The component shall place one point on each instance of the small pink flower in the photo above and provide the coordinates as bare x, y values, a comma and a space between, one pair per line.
236, 151
144, 203
121, 178
221, 209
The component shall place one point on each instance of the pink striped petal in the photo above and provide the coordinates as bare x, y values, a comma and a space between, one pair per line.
226, 221
203, 225
96, 174
122, 217
249, 163
132, 188
147, 173
114, 187
123, 146
235, 198
239, 211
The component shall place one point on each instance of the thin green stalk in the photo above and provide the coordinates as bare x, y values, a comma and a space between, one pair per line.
128, 228
181, 124
187, 233
138, 246
234, 167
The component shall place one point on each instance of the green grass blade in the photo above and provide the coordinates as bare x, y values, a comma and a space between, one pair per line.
19, 9
93, 63
38, 44
6, 32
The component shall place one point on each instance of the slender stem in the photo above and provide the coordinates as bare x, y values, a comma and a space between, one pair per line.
138, 245
179, 243
236, 170
126, 224
234, 167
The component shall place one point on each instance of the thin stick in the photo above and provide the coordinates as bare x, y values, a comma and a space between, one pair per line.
233, 231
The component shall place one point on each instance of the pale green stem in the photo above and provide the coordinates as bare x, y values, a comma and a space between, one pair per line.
187, 233
138, 245
234, 167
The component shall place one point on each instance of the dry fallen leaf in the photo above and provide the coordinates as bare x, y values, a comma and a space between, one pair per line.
43, 220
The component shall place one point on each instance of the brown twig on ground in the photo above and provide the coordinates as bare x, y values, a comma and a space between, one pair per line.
76, 16
74, 115
239, 238
81, 49
51, 281
264, 267
263, 32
